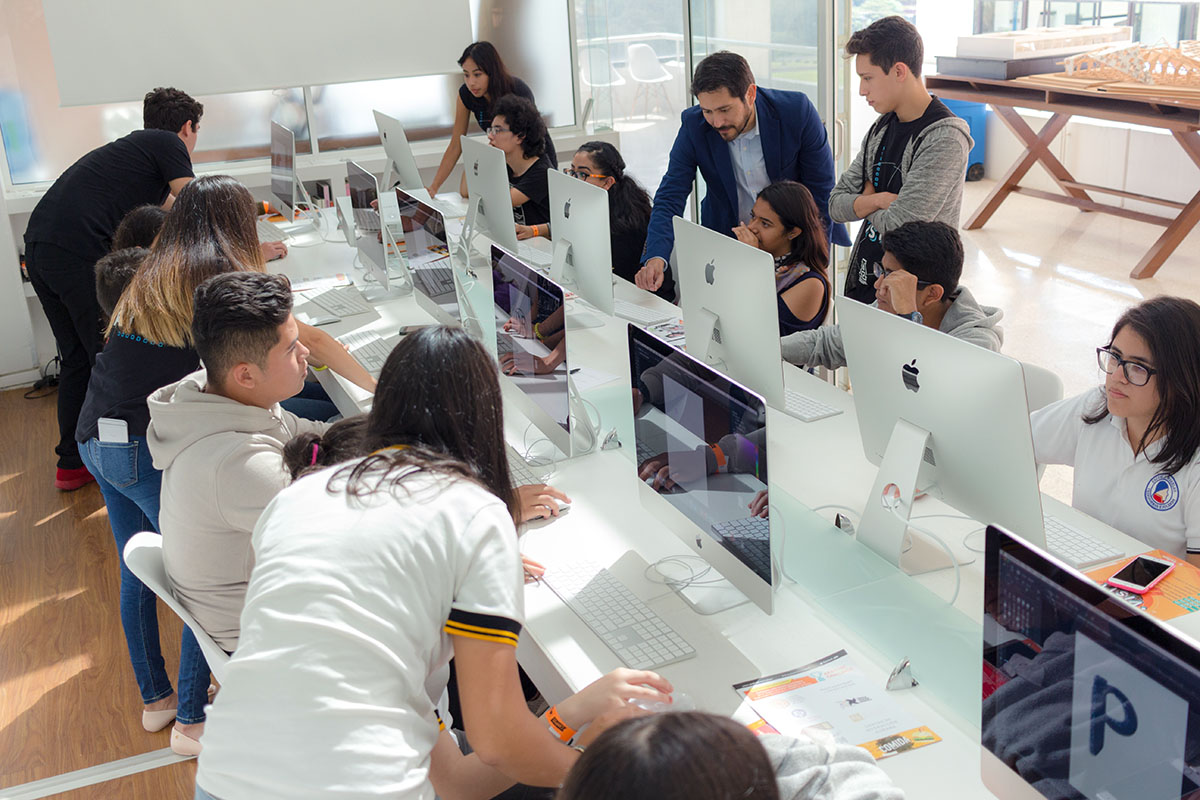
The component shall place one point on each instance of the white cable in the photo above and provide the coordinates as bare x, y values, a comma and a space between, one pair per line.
895, 509
593, 432
319, 218
848, 509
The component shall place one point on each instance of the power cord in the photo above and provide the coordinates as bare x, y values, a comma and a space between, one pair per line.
48, 381
895, 509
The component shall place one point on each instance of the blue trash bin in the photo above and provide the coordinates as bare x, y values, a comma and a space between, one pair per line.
975, 115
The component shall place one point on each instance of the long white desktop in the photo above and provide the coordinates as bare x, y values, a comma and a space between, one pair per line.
838, 593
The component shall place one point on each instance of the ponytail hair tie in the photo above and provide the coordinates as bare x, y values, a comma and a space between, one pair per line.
313, 463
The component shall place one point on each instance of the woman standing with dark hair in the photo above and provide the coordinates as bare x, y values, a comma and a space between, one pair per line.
786, 223
1134, 441
485, 81
368, 578
600, 164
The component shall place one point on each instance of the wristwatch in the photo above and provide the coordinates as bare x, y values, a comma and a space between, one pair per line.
915, 316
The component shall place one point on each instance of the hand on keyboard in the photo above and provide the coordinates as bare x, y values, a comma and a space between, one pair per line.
273, 250
539, 501
533, 570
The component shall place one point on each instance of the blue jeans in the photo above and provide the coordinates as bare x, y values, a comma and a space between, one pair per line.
312, 402
130, 485
202, 795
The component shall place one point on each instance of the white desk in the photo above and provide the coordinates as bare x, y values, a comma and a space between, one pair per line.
846, 596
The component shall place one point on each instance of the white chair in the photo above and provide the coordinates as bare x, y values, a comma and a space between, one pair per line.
597, 72
649, 75
1042, 387
143, 556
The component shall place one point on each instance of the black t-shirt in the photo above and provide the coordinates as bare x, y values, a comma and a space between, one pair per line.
82, 209
481, 110
127, 371
883, 171
534, 184
627, 247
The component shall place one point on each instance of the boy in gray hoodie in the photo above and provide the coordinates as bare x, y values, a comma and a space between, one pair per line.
913, 160
917, 279
218, 437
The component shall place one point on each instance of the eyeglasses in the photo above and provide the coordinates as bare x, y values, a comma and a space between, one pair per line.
1135, 373
495, 129
583, 175
880, 272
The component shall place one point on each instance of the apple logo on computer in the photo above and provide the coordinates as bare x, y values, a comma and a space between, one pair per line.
910, 372
710, 272
567, 210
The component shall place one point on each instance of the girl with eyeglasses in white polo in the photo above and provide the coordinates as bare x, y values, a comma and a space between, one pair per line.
1133, 441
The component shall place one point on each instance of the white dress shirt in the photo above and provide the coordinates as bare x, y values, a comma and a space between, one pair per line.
749, 170
1128, 492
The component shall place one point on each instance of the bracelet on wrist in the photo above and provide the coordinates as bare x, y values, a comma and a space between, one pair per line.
562, 730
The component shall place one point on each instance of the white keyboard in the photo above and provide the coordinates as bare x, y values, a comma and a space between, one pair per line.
521, 471
750, 540
1075, 547
636, 634
270, 232
367, 219
368, 349
539, 259
640, 314
805, 408
341, 301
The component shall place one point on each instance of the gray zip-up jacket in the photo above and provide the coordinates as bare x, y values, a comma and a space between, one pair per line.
965, 319
932, 168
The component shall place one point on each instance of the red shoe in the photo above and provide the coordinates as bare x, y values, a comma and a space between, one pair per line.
71, 479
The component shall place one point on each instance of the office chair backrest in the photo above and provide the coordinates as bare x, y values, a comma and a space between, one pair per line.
644, 64
1042, 386
143, 556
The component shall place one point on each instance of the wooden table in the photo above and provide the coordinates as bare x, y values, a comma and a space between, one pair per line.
1181, 118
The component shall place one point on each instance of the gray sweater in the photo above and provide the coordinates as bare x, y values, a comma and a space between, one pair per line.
965, 319
808, 770
932, 169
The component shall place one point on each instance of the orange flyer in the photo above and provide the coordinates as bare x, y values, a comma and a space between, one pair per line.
1176, 595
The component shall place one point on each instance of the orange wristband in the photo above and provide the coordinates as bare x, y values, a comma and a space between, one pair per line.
536, 232
720, 454
558, 727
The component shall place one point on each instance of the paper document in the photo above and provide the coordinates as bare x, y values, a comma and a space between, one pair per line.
833, 696
1175, 595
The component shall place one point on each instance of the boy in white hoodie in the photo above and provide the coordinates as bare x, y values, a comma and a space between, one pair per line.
218, 437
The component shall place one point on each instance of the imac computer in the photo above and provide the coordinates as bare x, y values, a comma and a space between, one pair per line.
1084, 695
531, 346
363, 192
401, 169
372, 256
440, 286
942, 416
579, 228
489, 206
727, 290
702, 449
285, 184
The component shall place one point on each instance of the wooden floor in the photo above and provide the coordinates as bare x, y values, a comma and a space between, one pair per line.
68, 699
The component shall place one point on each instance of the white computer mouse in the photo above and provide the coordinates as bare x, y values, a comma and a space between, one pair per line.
680, 701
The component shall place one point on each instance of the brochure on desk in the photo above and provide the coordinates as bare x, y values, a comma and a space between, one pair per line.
832, 696
1176, 595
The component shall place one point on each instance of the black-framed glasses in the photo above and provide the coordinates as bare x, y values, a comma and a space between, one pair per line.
881, 272
1135, 373
583, 175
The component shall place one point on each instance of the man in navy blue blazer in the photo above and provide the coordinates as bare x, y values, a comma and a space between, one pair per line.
741, 138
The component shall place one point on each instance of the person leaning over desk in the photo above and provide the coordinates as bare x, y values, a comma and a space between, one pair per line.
918, 279
1135, 441
741, 138
485, 81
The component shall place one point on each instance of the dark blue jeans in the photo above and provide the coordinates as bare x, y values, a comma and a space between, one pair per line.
130, 485
312, 402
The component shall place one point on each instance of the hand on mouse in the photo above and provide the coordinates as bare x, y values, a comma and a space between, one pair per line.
612, 692
537, 501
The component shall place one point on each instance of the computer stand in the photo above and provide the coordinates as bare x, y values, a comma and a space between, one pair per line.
558, 273
585, 436
884, 525
703, 597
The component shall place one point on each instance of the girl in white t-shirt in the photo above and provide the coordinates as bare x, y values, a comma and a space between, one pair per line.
368, 578
1134, 442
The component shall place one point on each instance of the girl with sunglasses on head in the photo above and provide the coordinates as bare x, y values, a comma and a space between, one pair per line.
600, 164
1133, 442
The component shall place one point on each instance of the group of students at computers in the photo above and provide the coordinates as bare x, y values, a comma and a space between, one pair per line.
344, 564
